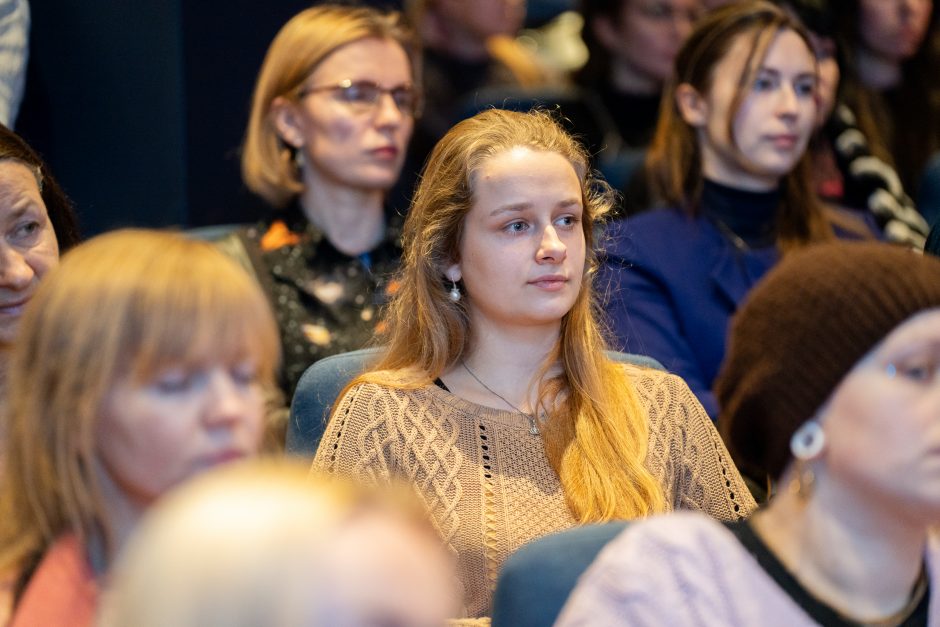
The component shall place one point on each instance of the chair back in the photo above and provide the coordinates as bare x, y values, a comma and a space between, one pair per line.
535, 581
322, 383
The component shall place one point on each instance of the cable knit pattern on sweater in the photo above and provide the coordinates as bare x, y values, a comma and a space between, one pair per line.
486, 479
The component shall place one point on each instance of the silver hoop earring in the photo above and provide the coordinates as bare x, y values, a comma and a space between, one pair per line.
454, 293
807, 441
806, 444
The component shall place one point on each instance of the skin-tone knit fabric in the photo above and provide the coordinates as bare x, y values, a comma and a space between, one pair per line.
687, 569
486, 479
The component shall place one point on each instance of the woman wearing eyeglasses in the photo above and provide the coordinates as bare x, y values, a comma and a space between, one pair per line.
331, 117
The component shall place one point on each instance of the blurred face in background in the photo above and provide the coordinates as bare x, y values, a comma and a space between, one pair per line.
644, 39
28, 246
828, 86
481, 19
354, 116
773, 124
893, 29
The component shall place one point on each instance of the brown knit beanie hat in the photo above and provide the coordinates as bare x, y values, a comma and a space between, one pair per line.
801, 330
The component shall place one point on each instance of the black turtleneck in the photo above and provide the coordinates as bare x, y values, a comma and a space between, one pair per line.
751, 216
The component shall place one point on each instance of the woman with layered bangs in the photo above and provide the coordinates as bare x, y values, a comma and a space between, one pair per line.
728, 164
495, 397
140, 363
331, 117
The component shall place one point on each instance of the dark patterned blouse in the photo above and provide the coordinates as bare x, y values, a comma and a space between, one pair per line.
325, 301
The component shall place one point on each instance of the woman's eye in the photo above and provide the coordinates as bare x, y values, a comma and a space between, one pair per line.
763, 83
174, 383
567, 221
244, 375
27, 229
923, 372
805, 88
516, 227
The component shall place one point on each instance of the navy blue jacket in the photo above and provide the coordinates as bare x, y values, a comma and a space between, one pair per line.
670, 284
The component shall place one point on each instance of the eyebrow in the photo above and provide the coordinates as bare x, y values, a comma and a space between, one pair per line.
522, 206
19, 212
776, 73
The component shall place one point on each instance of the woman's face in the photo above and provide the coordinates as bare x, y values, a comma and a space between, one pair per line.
646, 37
774, 122
28, 247
481, 19
882, 423
522, 251
346, 138
893, 29
828, 87
155, 434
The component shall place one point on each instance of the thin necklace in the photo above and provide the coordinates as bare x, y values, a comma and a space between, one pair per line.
533, 427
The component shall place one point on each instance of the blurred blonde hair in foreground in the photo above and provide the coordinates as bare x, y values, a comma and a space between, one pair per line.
265, 543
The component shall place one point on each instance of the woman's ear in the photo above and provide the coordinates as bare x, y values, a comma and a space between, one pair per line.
692, 106
287, 122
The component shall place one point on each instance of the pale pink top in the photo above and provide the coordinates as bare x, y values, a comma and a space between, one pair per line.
688, 569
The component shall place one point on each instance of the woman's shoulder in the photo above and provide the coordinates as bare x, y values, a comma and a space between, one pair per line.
396, 384
658, 389
63, 590
653, 566
655, 232
679, 531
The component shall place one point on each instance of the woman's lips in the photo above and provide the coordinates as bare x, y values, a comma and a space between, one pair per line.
783, 141
386, 152
14, 308
550, 283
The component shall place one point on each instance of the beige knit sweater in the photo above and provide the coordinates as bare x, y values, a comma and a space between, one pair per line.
486, 479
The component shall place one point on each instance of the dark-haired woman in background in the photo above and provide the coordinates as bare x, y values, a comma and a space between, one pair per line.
728, 161
847, 172
37, 224
632, 45
893, 60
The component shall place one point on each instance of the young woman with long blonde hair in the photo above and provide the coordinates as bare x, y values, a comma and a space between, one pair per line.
495, 398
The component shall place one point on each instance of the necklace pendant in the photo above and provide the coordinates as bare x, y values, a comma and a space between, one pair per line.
533, 429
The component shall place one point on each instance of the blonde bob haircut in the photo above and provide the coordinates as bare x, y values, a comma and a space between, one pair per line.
123, 306
253, 544
597, 431
674, 159
268, 166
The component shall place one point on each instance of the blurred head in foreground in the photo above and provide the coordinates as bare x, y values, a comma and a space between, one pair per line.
266, 544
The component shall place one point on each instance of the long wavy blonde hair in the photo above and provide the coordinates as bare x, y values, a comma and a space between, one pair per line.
125, 304
597, 432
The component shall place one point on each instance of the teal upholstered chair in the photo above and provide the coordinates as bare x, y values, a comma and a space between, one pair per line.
323, 381
536, 580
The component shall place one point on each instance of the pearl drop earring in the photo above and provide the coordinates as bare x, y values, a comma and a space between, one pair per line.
454, 292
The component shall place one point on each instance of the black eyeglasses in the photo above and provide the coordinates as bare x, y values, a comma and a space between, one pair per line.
363, 96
